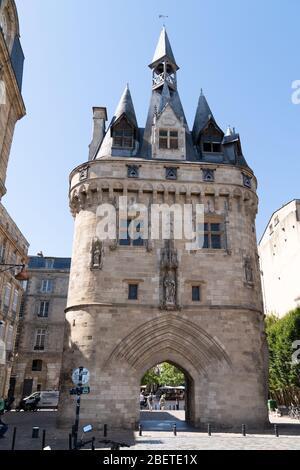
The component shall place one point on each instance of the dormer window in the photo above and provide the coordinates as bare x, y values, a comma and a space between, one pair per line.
123, 135
168, 139
212, 147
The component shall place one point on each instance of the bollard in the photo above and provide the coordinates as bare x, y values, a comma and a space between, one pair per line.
209, 429
244, 429
44, 439
276, 430
14, 439
105, 430
93, 443
70, 441
140, 430
35, 432
174, 407
175, 430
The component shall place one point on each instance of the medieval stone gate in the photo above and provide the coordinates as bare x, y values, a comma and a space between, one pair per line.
136, 302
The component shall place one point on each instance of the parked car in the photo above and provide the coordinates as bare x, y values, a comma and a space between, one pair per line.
37, 400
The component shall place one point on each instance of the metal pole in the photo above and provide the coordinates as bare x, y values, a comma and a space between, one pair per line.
93, 443
105, 430
14, 439
140, 430
209, 429
276, 430
44, 440
70, 441
175, 430
244, 429
76, 425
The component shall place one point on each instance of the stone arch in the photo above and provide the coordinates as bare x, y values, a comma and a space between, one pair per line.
147, 187
173, 335
196, 190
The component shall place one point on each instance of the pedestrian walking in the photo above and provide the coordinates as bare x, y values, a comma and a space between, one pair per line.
150, 402
162, 402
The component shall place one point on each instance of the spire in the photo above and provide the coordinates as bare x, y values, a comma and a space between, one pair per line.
126, 107
203, 115
163, 51
165, 97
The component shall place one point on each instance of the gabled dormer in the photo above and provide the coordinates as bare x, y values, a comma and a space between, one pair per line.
122, 136
168, 135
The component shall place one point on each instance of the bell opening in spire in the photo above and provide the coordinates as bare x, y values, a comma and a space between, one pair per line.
164, 72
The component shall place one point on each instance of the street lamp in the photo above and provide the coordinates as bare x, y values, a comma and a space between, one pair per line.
20, 276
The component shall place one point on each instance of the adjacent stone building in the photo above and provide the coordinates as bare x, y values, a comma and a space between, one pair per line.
13, 249
135, 302
279, 251
40, 338
13, 245
12, 107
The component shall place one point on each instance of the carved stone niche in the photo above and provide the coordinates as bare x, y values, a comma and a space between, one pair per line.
97, 254
248, 267
83, 173
208, 175
169, 277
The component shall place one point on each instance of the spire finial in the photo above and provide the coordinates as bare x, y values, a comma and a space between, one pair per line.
201, 92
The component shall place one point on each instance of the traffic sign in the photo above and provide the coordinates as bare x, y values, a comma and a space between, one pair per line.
80, 391
85, 376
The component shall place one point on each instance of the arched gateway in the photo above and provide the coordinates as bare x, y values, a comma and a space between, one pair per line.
137, 299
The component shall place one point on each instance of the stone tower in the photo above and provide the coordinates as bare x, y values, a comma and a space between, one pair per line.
133, 302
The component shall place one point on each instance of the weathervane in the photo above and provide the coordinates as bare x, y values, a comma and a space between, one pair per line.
163, 16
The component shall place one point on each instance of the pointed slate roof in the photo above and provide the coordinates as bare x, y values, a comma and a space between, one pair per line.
126, 107
203, 115
163, 50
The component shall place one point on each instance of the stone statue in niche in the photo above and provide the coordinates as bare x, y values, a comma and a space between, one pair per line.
170, 290
248, 271
97, 254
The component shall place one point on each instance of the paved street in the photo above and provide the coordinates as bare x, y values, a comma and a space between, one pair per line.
157, 434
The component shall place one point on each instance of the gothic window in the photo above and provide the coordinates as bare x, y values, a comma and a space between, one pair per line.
132, 171
212, 234
196, 294
123, 135
247, 181
133, 291
43, 309
125, 238
171, 173
37, 365
209, 176
40, 339
168, 139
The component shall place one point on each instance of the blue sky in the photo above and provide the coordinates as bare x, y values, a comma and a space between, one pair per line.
244, 54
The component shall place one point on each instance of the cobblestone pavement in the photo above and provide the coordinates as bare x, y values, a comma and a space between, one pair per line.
157, 434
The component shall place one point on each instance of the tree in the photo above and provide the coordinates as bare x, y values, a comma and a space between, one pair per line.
163, 374
284, 373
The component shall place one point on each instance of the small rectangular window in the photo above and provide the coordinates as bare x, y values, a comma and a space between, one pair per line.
15, 301
206, 147
133, 292
40, 336
216, 148
216, 242
7, 295
47, 286
196, 294
168, 139
43, 310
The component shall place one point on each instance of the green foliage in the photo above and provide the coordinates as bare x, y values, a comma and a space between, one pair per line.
164, 374
284, 376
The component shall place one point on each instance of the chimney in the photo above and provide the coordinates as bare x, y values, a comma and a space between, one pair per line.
100, 118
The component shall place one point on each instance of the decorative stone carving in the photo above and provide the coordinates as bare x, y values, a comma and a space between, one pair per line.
248, 271
170, 290
208, 175
247, 181
132, 171
169, 274
97, 254
84, 173
171, 173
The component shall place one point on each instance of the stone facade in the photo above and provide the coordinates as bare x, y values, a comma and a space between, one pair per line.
279, 251
218, 340
40, 341
11, 69
13, 249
